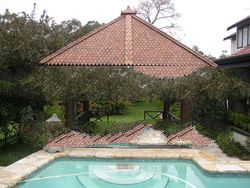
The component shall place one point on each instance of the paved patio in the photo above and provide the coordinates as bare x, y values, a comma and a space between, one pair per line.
204, 152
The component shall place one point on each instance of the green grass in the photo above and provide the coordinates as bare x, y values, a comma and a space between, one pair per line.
136, 111
15, 152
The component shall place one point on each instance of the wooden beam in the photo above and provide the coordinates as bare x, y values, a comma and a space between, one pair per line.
166, 108
70, 112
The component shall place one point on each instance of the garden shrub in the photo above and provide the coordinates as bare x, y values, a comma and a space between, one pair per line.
175, 109
49, 110
207, 111
88, 127
40, 133
223, 137
114, 108
125, 126
35, 131
239, 120
235, 149
104, 127
248, 144
171, 127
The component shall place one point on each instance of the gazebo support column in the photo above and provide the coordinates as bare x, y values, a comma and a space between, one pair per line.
70, 112
86, 110
166, 108
186, 109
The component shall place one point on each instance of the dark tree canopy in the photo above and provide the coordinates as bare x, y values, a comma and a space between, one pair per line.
104, 83
25, 39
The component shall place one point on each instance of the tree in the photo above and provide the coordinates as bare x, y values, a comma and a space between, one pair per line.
197, 49
24, 41
160, 13
224, 54
68, 84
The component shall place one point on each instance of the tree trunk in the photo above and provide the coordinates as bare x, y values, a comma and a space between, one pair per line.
166, 108
186, 110
70, 112
86, 110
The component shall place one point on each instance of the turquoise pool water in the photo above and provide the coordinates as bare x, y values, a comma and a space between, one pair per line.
105, 173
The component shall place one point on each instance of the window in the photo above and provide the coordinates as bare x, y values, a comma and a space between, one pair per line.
239, 38
244, 42
243, 36
248, 38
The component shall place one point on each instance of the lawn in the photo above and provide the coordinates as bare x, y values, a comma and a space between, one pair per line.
15, 152
136, 111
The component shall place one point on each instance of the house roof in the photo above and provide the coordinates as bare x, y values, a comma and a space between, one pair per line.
130, 41
234, 61
77, 139
233, 35
240, 23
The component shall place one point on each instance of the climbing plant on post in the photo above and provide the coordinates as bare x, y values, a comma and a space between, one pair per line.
70, 84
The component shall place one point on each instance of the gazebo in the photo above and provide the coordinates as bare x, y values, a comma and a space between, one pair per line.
130, 41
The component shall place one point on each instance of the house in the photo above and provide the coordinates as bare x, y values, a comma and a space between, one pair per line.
239, 59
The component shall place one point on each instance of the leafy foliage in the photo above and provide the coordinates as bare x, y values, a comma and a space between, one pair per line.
92, 83
239, 120
170, 127
208, 111
49, 110
113, 107
25, 39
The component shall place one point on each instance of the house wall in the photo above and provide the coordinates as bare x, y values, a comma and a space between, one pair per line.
242, 139
233, 45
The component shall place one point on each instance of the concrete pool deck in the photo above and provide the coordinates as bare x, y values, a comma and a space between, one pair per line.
16, 172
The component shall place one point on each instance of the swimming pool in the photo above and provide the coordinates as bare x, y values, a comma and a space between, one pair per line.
112, 173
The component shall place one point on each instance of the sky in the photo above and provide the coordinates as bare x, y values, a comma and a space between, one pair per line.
203, 22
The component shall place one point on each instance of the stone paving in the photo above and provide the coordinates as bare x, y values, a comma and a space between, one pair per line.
11, 175
204, 153
150, 136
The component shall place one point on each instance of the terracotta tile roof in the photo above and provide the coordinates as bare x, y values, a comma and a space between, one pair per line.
129, 40
77, 139
190, 134
245, 50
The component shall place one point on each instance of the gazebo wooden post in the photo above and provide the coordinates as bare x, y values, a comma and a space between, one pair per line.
186, 108
166, 108
70, 112
86, 110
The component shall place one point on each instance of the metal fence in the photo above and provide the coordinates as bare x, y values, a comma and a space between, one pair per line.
8, 140
158, 114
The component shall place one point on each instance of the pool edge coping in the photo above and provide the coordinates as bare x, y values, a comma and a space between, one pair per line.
18, 171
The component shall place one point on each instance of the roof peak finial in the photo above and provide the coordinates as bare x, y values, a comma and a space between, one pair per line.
128, 11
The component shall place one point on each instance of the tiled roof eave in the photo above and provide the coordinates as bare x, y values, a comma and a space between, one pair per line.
65, 48
176, 41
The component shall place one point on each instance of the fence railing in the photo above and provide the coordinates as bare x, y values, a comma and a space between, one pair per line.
98, 115
7, 140
154, 114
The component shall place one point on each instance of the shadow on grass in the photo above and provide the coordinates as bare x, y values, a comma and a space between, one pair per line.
14, 152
